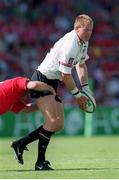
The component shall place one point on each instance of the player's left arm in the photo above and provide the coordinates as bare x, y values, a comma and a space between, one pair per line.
82, 73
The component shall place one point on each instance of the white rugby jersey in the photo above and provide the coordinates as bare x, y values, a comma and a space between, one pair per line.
65, 54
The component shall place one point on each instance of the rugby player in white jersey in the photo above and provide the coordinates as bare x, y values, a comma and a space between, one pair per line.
68, 52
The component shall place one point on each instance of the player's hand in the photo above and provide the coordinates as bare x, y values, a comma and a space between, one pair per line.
89, 94
82, 101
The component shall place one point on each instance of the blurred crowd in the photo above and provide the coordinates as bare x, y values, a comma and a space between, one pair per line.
28, 29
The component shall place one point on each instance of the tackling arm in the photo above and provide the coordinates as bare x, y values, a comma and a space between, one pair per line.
39, 86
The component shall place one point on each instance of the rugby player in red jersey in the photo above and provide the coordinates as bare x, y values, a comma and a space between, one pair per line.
14, 94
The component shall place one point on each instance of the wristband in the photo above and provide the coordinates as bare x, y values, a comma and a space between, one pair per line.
78, 95
85, 87
86, 84
76, 92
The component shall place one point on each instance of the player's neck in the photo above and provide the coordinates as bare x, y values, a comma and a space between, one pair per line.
82, 42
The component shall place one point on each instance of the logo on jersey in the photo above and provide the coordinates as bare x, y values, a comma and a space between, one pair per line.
70, 62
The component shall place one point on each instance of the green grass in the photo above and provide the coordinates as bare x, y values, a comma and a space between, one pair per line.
72, 158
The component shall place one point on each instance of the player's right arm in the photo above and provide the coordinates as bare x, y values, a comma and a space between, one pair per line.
68, 81
66, 63
71, 86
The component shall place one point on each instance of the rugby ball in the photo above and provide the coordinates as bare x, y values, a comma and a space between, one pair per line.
90, 104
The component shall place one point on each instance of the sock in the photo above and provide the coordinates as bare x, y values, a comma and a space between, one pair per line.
34, 135
44, 140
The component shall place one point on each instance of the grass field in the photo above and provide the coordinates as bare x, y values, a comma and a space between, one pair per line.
72, 158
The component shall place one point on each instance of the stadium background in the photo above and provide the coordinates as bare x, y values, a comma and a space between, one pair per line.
28, 29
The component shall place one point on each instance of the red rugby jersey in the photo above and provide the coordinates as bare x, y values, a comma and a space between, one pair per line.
11, 91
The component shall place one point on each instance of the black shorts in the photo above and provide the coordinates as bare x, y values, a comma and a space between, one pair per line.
38, 76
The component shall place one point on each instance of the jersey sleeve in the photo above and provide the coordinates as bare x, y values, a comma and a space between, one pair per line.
21, 83
66, 60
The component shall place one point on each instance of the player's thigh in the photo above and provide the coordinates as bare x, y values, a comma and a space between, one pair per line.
49, 107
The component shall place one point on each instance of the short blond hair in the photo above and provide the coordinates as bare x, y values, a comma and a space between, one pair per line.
82, 21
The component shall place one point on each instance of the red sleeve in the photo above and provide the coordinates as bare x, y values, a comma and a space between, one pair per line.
21, 83
18, 107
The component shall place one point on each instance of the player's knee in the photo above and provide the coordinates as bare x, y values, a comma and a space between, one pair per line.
60, 125
53, 124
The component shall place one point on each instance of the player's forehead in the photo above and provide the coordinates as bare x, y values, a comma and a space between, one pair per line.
88, 26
